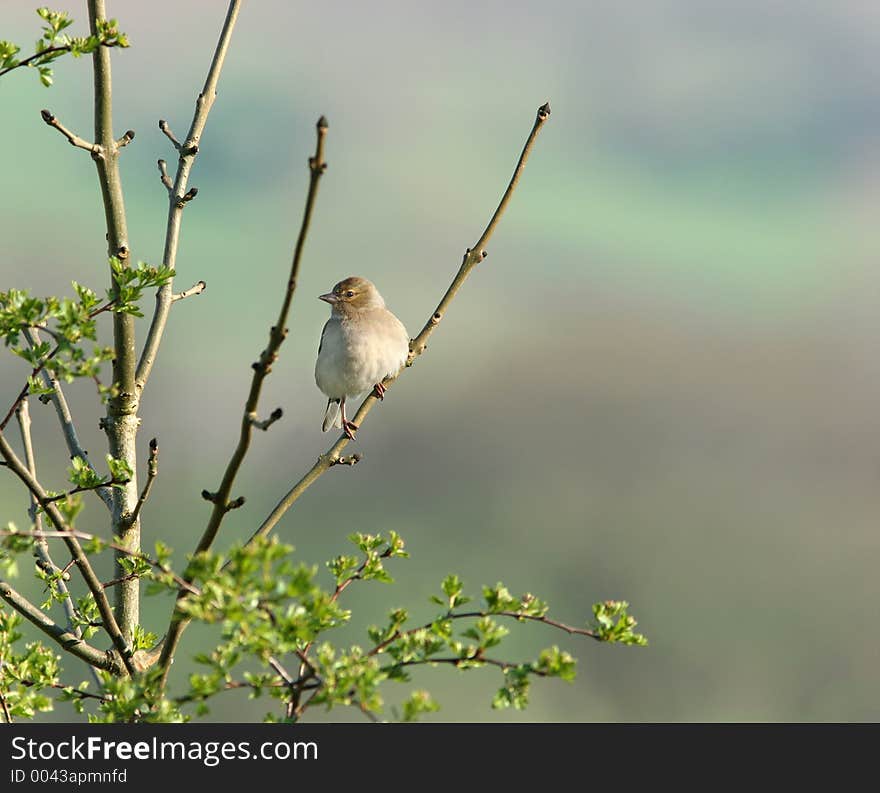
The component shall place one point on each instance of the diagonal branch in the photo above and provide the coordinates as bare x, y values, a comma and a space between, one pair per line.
64, 417
41, 547
72, 138
152, 473
178, 190
262, 367
76, 551
473, 256
67, 639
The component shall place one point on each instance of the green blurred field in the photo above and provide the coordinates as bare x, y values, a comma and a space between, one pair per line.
661, 385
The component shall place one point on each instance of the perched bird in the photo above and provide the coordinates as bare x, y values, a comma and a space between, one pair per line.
361, 344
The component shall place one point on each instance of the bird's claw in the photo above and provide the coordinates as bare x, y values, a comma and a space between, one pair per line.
349, 428
379, 391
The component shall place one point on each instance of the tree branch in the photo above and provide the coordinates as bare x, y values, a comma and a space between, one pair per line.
472, 257
152, 473
261, 368
121, 421
196, 289
176, 191
72, 138
41, 547
31, 58
68, 640
76, 551
64, 417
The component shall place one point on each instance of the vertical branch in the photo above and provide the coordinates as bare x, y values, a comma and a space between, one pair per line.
261, 367
121, 421
177, 192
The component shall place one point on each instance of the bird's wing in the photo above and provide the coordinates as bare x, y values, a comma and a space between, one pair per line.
323, 332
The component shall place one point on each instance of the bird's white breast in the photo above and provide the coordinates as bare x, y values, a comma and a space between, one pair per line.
358, 352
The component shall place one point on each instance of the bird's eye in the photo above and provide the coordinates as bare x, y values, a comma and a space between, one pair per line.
349, 293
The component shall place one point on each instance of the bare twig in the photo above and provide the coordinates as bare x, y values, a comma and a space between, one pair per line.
67, 639
261, 368
127, 138
31, 58
152, 473
352, 459
188, 150
7, 716
63, 411
163, 175
166, 130
41, 547
188, 196
196, 289
72, 138
274, 416
472, 257
76, 551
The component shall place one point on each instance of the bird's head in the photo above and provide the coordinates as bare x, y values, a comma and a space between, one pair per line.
353, 294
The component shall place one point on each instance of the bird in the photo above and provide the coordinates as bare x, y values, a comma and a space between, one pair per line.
361, 344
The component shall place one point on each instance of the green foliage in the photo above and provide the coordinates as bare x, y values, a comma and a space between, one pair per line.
274, 616
25, 673
614, 624
129, 284
54, 43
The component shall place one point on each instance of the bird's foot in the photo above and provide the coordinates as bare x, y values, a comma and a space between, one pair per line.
379, 391
349, 428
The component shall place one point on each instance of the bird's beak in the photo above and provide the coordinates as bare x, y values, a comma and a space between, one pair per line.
329, 298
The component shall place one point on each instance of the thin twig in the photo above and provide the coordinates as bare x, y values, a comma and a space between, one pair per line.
62, 410
274, 416
152, 473
82, 561
472, 257
261, 367
86, 489
188, 151
7, 717
41, 547
127, 138
570, 629
86, 537
196, 289
166, 130
163, 175
72, 138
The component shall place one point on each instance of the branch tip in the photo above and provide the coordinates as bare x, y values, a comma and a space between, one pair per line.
322, 124
166, 130
196, 289
274, 416
127, 138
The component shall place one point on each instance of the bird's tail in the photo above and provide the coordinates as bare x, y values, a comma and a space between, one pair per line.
332, 416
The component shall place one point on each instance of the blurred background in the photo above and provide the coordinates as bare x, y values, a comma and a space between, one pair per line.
661, 386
